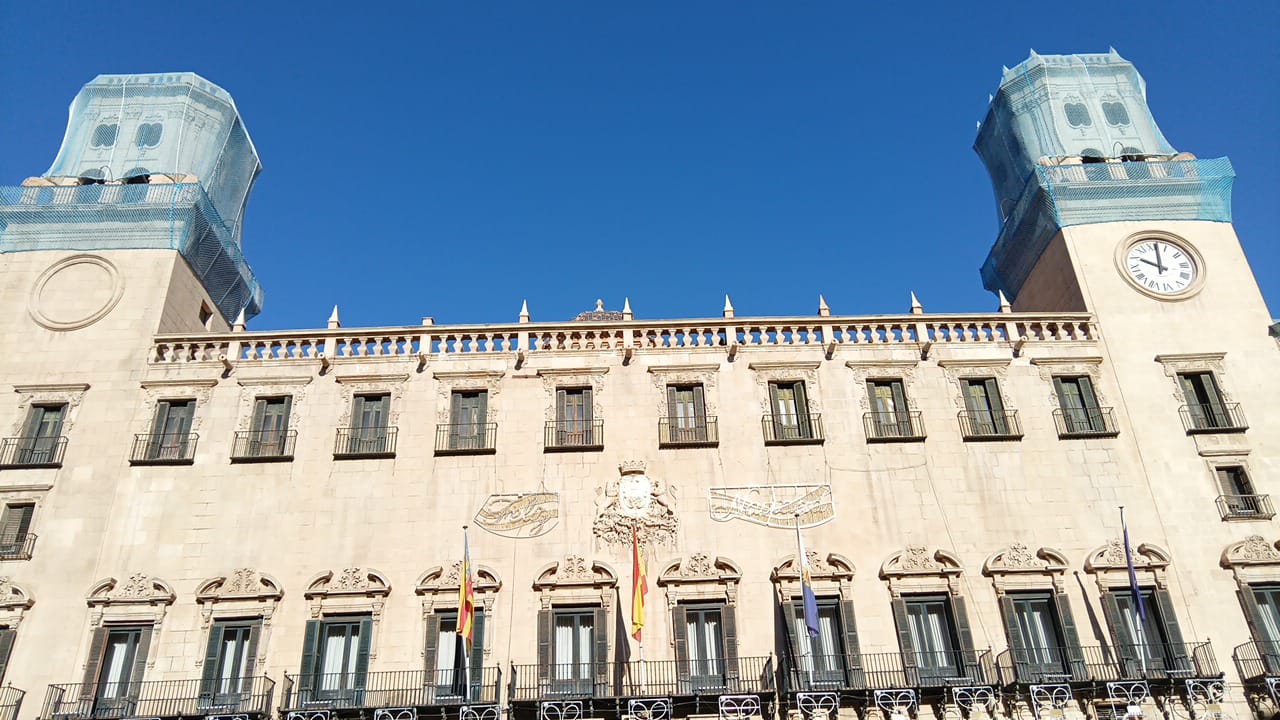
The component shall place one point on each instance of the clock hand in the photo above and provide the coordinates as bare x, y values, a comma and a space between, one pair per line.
1144, 260
1159, 262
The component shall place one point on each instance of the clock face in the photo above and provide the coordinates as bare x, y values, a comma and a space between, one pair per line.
1160, 266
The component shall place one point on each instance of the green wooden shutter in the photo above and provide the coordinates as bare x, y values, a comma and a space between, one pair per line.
729, 617
477, 653
673, 413
1126, 644
1177, 650
1214, 394
6, 647
699, 407
600, 651
906, 644
14, 525
209, 670
545, 633
964, 633
250, 665
97, 645
431, 648
259, 416
1197, 406
852, 649
140, 660
802, 411
161, 419
996, 403
1070, 637
680, 636
363, 643
791, 650
310, 655
588, 406
1017, 644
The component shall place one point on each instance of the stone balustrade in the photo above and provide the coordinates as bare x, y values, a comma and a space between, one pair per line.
826, 332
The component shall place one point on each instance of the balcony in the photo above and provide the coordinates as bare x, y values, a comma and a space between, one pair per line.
20, 548
10, 702
574, 435
1199, 419
159, 699
904, 426
1095, 664
163, 449
32, 452
354, 695
466, 438
354, 443
885, 671
1245, 507
1085, 423
263, 446
802, 429
990, 425
647, 678
1257, 660
688, 432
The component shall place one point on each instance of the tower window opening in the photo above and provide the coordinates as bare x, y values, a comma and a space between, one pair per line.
1077, 114
148, 134
104, 135
1116, 113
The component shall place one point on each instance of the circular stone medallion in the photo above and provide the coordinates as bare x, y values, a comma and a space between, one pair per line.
75, 292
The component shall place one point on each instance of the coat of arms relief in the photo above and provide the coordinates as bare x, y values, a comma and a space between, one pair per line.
634, 500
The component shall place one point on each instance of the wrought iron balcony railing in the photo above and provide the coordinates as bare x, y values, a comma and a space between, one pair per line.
882, 671
1213, 418
904, 426
159, 699
163, 449
1257, 659
1095, 663
263, 445
392, 688
10, 702
466, 438
18, 548
569, 435
990, 425
1085, 422
799, 429
688, 432
378, 441
32, 452
647, 678
1245, 507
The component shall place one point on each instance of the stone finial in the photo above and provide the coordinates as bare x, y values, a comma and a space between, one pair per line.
728, 307
823, 310
334, 322
916, 307
524, 311
626, 308
1005, 307
238, 325
599, 305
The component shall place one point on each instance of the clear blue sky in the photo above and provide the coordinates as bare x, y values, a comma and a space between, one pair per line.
455, 158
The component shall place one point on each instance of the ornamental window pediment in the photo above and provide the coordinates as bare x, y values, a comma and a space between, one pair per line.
576, 580
917, 570
137, 600
1253, 560
1018, 567
1110, 569
243, 593
438, 590
700, 577
350, 591
831, 575
14, 602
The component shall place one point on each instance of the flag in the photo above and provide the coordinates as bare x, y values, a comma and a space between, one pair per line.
806, 587
1133, 575
466, 597
639, 586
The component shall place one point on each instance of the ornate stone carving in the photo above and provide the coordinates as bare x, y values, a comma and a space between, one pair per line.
157, 390
1174, 364
904, 370
137, 588
1090, 367
576, 378
438, 589
775, 506
957, 371
634, 501
767, 372
70, 395
1108, 566
575, 570
350, 590
448, 382
830, 567
704, 375
1253, 550
241, 584
13, 596
519, 515
392, 385
700, 567
915, 569
1017, 567
253, 388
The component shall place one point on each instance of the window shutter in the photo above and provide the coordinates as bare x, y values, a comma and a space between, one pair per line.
965, 635
259, 415
255, 630
973, 400
97, 646
729, 617
791, 649
1017, 644
1087, 396
161, 420
562, 401
140, 659
1126, 645
363, 644
482, 408
1177, 651
209, 671
544, 642
1215, 396
900, 401
905, 644
996, 403
477, 651
431, 647
699, 407
6, 647
1070, 637
310, 644
673, 407
802, 411
680, 634
600, 651
285, 413
852, 650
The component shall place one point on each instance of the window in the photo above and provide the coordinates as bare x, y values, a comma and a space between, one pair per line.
1034, 627
104, 135
335, 659
1239, 499
468, 420
890, 416
117, 659
822, 658
1077, 114
1267, 618
41, 439
687, 421
205, 316
170, 437
575, 424
704, 647
15, 522
1115, 112
369, 433
1147, 648
148, 135
789, 418
934, 646
984, 410
573, 649
1079, 413
229, 664
269, 435
1205, 409
445, 658
7, 635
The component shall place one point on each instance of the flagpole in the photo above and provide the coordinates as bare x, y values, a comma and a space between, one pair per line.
1138, 611
801, 562
644, 674
466, 644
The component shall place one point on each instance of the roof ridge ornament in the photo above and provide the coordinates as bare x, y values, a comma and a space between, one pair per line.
916, 307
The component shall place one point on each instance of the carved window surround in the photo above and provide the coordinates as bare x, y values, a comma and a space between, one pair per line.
699, 578
1018, 568
252, 388
905, 370
705, 375
352, 590
140, 600
14, 603
592, 377
782, 371
245, 593
574, 580
1107, 565
447, 382
916, 570
1175, 363
155, 391
1068, 366
368, 384
69, 394
1252, 561
438, 589
832, 575
960, 369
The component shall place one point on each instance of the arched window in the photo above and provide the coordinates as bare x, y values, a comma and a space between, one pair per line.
104, 135
1115, 112
1077, 114
148, 134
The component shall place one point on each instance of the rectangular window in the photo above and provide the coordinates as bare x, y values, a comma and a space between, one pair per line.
468, 420
171, 430
117, 660
1239, 499
1205, 407
15, 522
7, 636
1079, 405
575, 421
41, 435
704, 632
789, 411
1036, 633
573, 650
449, 666
338, 669
933, 636
229, 664
822, 658
370, 415
1143, 639
269, 432
1267, 598
686, 414
890, 416
985, 408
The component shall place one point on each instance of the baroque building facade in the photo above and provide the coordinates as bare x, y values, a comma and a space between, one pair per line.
205, 521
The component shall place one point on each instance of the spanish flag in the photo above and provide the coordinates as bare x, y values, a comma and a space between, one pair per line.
639, 586
466, 596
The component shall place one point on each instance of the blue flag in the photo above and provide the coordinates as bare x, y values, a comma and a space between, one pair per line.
806, 588
1133, 575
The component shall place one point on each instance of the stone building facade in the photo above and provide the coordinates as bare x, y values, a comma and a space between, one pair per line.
201, 520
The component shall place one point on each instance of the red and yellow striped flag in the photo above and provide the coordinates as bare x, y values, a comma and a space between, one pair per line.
639, 586
466, 596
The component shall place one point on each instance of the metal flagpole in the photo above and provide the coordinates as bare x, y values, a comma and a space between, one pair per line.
635, 581
801, 564
466, 641
1138, 610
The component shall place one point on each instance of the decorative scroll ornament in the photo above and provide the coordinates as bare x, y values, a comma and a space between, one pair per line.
1019, 557
575, 570
14, 596
241, 584
634, 501
348, 581
520, 515
1252, 550
138, 588
1111, 557
775, 506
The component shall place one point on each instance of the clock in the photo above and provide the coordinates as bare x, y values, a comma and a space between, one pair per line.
1161, 267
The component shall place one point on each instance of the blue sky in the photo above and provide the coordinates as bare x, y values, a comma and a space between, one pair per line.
453, 159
